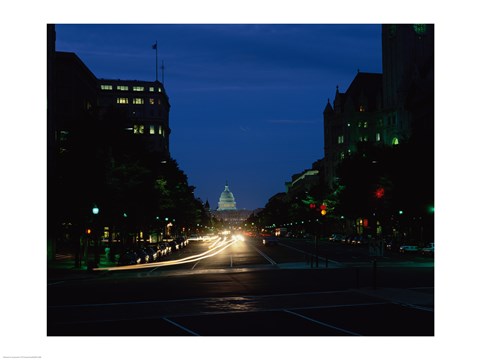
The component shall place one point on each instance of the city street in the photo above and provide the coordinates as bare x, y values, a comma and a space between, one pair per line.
238, 286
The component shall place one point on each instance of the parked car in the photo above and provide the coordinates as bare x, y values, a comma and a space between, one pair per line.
152, 253
270, 240
181, 241
142, 254
128, 257
164, 249
336, 237
408, 249
174, 245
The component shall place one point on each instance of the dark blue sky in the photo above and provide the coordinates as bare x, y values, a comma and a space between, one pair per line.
247, 100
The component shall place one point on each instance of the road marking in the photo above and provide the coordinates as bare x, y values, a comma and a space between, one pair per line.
231, 261
198, 299
264, 255
307, 253
322, 323
57, 282
181, 327
198, 262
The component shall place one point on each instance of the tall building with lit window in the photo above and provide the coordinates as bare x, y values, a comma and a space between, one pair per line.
356, 116
387, 108
146, 108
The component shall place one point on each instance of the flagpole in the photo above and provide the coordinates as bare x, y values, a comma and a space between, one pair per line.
162, 72
156, 61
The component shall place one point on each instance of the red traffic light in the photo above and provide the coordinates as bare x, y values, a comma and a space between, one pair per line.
323, 209
379, 193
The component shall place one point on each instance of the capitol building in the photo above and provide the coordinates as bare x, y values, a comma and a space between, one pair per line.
227, 209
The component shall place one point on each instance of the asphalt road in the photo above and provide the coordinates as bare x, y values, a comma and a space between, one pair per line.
242, 288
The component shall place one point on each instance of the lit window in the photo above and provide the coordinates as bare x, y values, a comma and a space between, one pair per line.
106, 87
138, 101
138, 129
365, 138
159, 89
420, 29
342, 155
348, 124
362, 108
122, 100
152, 129
160, 130
138, 88
378, 136
395, 141
152, 101
360, 124
365, 124
151, 89
340, 139
122, 87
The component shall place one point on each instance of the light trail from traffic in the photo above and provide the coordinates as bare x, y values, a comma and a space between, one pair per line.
217, 247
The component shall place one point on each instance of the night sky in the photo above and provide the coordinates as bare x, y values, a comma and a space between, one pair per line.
247, 100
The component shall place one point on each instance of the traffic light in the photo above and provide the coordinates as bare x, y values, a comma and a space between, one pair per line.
380, 193
323, 209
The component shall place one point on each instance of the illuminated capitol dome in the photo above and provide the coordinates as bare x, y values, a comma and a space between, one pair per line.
227, 209
227, 201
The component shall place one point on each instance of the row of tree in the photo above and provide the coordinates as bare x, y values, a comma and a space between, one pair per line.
135, 189
391, 187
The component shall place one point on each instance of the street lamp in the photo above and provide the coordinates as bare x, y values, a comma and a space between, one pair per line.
95, 211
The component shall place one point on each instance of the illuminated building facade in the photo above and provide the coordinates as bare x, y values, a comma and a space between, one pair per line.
227, 200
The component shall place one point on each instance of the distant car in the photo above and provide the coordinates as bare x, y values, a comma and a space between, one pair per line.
359, 240
349, 238
408, 249
429, 250
270, 240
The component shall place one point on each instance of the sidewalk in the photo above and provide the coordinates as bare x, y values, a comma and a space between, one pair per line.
63, 267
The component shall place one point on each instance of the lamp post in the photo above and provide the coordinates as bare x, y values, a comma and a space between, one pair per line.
95, 211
